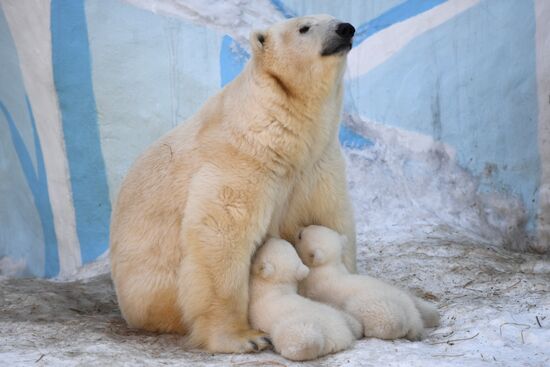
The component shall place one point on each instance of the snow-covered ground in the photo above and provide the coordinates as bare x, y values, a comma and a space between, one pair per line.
495, 307
421, 224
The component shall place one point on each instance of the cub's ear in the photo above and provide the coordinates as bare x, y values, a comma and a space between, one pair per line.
302, 272
257, 41
317, 257
264, 269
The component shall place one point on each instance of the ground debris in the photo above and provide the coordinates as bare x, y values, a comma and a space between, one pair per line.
78, 323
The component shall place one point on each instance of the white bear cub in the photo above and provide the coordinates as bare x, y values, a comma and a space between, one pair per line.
300, 328
385, 311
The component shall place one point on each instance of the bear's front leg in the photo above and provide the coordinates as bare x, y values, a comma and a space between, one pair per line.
226, 217
321, 197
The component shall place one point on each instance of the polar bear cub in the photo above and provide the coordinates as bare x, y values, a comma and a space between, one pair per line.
385, 311
300, 328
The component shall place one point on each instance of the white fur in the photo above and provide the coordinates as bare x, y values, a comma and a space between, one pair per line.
385, 311
300, 328
260, 159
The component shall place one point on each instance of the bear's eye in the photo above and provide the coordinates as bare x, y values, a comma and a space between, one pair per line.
261, 38
304, 29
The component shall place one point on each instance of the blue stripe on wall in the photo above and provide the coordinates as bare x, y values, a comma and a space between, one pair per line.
283, 9
73, 82
399, 13
396, 14
231, 62
38, 183
350, 139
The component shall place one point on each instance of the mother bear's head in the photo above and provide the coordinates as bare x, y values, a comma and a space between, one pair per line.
303, 53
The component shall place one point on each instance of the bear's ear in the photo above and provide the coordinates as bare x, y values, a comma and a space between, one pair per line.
265, 269
317, 257
257, 41
302, 272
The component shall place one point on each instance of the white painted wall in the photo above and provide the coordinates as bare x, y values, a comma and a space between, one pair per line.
543, 76
29, 23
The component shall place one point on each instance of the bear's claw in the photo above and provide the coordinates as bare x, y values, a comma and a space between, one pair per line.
254, 346
268, 340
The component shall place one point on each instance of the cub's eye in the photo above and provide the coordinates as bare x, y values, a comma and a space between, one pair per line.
304, 29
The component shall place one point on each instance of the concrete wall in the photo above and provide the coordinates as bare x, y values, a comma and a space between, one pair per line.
85, 86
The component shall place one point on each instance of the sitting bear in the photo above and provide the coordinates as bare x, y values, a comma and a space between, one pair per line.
385, 311
300, 328
260, 159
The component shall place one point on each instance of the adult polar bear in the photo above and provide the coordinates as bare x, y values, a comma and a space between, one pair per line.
261, 158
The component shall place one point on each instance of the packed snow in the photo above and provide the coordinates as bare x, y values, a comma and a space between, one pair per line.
408, 186
495, 309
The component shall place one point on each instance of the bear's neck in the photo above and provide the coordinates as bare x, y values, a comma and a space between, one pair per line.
298, 99
295, 128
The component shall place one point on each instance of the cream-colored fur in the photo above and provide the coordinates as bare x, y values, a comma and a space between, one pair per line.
300, 328
385, 311
260, 158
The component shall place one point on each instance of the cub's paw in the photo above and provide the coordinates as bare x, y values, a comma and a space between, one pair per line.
246, 341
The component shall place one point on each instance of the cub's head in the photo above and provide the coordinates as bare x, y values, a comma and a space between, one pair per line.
303, 52
277, 261
318, 245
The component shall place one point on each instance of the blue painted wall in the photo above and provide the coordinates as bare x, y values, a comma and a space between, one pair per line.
22, 236
149, 74
354, 11
73, 83
123, 76
470, 83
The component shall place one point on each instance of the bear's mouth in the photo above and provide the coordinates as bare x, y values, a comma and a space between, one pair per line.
333, 48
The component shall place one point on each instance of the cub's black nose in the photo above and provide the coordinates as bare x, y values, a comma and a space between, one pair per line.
345, 30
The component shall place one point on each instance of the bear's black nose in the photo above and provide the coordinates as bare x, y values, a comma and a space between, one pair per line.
345, 30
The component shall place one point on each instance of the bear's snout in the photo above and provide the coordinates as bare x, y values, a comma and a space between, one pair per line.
345, 30
339, 42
